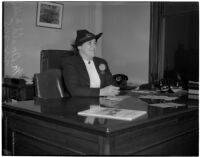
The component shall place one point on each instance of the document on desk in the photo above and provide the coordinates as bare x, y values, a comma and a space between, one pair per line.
125, 102
113, 113
167, 98
167, 105
143, 91
116, 98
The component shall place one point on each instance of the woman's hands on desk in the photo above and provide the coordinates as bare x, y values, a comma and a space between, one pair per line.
109, 91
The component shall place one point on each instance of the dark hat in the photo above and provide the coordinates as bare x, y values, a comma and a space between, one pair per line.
84, 36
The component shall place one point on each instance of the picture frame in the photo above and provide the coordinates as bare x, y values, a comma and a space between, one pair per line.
49, 14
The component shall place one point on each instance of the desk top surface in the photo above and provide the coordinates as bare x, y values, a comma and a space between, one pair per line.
65, 112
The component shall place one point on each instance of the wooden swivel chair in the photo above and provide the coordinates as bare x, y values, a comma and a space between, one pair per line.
50, 85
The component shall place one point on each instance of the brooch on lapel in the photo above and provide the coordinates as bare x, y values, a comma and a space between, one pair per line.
102, 68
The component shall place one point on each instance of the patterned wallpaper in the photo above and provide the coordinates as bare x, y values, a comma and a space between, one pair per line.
13, 30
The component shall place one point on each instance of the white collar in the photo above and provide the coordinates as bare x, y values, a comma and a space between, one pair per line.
87, 61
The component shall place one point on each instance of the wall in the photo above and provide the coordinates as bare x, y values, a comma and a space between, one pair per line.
24, 40
126, 27
124, 44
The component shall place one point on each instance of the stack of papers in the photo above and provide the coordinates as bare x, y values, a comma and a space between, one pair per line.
166, 105
113, 113
143, 91
115, 98
167, 98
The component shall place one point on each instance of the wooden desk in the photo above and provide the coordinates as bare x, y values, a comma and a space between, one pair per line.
52, 127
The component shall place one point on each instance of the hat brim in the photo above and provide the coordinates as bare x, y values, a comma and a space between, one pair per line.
98, 36
88, 39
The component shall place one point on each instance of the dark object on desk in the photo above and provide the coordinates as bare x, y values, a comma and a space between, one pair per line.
51, 59
167, 85
169, 82
121, 80
147, 86
14, 81
13, 88
49, 84
166, 89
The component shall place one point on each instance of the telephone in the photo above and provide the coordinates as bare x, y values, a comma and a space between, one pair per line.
121, 80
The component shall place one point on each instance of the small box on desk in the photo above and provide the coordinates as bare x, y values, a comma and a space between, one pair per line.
155, 110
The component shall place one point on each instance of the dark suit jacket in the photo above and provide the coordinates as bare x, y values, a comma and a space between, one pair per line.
76, 77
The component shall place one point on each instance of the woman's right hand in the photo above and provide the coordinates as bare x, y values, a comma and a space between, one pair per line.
109, 91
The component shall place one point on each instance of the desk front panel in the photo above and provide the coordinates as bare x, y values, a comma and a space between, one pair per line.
41, 137
177, 135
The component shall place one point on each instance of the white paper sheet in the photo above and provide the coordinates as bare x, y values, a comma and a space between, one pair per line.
115, 98
167, 98
166, 105
143, 91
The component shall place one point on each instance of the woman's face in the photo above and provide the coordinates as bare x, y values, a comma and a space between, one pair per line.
87, 49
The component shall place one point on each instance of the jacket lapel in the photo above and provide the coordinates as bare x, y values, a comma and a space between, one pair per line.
82, 69
96, 63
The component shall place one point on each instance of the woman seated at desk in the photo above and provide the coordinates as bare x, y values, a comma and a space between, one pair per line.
87, 75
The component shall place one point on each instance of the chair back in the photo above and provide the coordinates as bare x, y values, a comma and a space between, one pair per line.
49, 84
52, 59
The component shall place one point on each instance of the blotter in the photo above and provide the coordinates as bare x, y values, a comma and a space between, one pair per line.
113, 113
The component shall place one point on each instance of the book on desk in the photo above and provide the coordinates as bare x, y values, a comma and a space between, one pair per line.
112, 113
193, 90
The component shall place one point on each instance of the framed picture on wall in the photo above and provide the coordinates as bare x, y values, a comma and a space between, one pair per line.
49, 14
